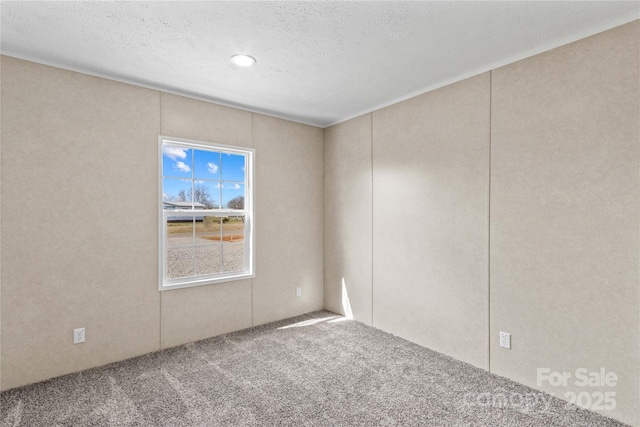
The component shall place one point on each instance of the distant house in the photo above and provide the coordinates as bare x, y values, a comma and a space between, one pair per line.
174, 205
169, 205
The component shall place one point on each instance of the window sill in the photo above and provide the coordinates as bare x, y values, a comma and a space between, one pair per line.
204, 281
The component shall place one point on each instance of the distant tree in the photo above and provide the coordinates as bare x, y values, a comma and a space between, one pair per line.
236, 203
201, 195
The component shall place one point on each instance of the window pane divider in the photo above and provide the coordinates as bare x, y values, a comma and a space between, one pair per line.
206, 212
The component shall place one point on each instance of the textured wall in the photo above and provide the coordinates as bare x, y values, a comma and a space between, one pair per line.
406, 219
347, 218
288, 219
430, 219
73, 154
75, 150
565, 152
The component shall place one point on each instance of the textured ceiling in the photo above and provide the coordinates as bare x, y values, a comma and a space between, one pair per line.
318, 62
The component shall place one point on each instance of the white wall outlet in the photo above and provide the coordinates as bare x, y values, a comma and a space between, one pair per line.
298, 292
505, 340
78, 336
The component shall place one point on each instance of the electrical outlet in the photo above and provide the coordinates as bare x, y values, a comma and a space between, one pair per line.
78, 336
298, 292
505, 340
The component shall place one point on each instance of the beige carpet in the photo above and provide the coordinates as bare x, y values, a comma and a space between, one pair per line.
313, 370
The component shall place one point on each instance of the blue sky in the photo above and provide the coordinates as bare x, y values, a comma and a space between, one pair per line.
221, 173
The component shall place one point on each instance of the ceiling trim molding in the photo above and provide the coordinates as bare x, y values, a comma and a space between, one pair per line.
495, 65
318, 123
159, 88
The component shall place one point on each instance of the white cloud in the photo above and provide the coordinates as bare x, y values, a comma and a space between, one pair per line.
183, 167
174, 153
236, 186
218, 185
212, 167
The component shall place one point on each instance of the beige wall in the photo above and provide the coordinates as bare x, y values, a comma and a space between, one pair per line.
289, 222
563, 155
565, 151
71, 255
76, 150
406, 219
348, 219
430, 219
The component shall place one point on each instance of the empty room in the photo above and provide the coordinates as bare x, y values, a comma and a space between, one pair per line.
320, 213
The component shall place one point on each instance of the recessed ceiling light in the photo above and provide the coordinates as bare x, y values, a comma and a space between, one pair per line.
243, 60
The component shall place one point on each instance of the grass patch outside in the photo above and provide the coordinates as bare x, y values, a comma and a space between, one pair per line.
205, 226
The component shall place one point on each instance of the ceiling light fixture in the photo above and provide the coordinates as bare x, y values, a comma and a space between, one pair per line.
243, 60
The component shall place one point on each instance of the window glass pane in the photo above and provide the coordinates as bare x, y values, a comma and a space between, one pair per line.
176, 193
179, 231
208, 230
233, 229
208, 259
233, 257
176, 161
232, 195
233, 167
206, 165
179, 262
206, 194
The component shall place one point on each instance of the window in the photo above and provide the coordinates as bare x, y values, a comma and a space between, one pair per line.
205, 213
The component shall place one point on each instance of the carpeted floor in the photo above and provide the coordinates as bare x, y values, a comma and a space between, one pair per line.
314, 370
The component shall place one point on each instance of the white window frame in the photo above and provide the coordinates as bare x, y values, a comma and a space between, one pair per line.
249, 239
